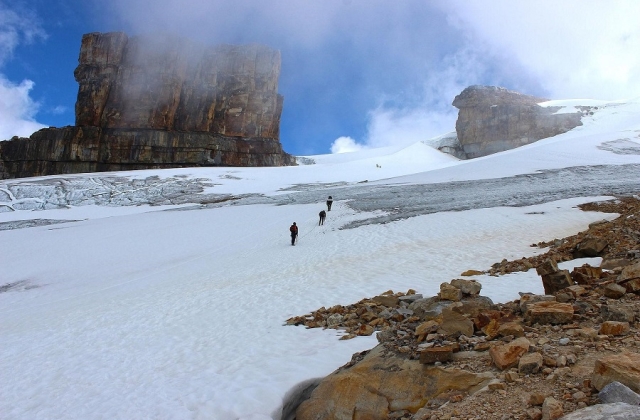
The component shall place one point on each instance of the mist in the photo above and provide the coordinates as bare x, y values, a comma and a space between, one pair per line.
383, 73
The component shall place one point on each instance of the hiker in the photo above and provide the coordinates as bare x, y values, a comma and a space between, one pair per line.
294, 233
323, 215
329, 203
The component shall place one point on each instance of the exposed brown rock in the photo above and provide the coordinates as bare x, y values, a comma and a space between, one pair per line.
557, 281
436, 354
630, 278
379, 384
614, 328
551, 409
548, 266
507, 355
493, 119
455, 323
467, 287
163, 102
614, 291
530, 363
586, 274
549, 313
623, 367
590, 247
450, 292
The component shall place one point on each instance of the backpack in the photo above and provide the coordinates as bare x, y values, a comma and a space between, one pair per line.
294, 229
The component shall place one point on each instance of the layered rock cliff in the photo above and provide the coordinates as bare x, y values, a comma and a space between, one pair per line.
161, 102
493, 119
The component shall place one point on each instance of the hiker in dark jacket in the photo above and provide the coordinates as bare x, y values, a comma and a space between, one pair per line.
329, 203
323, 215
294, 233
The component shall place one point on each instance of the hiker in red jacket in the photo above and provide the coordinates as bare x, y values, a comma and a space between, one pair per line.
294, 233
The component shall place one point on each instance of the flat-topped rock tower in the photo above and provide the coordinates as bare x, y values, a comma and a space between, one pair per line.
161, 102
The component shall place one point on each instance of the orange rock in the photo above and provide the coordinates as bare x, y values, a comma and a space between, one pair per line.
623, 367
549, 313
507, 355
614, 328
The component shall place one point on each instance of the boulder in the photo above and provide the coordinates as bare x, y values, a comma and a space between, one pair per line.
589, 247
379, 384
547, 267
428, 308
436, 354
622, 367
474, 305
629, 278
615, 411
586, 274
508, 355
386, 300
527, 299
614, 263
555, 282
549, 313
468, 287
510, 328
617, 312
551, 409
426, 327
530, 363
614, 328
470, 273
614, 291
454, 323
617, 392
449, 292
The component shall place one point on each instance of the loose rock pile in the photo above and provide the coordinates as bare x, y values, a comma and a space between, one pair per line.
616, 241
539, 357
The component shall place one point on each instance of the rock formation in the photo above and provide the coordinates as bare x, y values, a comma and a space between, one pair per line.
161, 102
493, 119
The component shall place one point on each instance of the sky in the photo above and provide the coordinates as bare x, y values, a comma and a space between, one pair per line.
355, 74
132, 311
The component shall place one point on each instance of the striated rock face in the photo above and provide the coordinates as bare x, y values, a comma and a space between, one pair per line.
493, 119
163, 102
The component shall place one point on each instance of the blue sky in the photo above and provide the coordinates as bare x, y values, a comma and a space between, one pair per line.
355, 73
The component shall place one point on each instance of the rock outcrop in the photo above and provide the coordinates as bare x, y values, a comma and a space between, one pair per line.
493, 119
164, 102
379, 385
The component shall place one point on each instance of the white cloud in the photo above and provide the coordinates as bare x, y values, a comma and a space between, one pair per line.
17, 26
407, 119
415, 56
345, 145
575, 48
58, 110
17, 109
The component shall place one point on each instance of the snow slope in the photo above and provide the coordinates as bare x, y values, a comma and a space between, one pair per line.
176, 311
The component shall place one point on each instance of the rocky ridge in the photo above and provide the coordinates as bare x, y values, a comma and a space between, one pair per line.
460, 356
160, 102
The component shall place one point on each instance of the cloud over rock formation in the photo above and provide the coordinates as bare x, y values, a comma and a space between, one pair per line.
161, 102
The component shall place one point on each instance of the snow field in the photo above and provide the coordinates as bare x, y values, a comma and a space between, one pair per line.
179, 314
